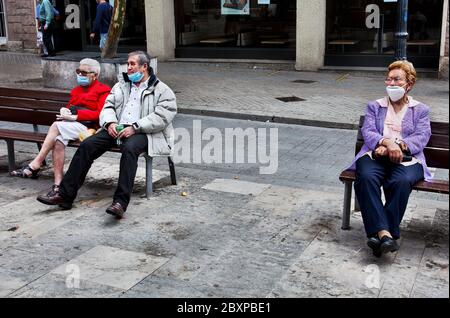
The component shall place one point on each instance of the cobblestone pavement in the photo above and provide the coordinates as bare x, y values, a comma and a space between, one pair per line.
235, 233
249, 91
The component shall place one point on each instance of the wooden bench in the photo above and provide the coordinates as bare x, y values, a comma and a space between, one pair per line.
343, 43
39, 107
218, 41
189, 38
436, 154
421, 44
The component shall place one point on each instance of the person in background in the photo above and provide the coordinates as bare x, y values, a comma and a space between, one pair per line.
396, 130
47, 25
40, 41
81, 113
102, 21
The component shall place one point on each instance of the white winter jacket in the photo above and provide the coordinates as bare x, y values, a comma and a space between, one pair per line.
158, 108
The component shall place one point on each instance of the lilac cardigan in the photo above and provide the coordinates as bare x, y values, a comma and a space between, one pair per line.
416, 130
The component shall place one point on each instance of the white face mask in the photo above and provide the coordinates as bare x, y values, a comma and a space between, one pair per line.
395, 93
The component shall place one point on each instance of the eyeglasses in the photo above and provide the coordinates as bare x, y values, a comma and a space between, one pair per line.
83, 73
394, 79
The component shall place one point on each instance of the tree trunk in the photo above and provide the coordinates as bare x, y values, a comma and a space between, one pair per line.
115, 29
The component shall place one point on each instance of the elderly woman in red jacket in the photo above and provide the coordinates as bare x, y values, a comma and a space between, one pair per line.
80, 114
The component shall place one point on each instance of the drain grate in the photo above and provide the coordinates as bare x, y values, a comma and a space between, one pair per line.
304, 81
291, 99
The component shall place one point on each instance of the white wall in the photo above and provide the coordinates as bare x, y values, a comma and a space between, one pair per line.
311, 27
160, 28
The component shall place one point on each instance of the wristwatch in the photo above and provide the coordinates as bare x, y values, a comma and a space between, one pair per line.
136, 126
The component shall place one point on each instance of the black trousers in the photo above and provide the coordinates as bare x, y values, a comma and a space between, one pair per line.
47, 38
92, 148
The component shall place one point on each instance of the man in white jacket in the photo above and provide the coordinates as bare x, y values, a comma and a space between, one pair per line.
145, 107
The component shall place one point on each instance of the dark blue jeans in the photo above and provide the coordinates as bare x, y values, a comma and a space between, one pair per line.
397, 182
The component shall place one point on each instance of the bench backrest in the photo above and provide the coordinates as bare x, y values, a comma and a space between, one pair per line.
436, 151
36, 107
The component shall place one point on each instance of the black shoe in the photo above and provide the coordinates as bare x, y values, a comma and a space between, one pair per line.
44, 55
374, 243
116, 209
388, 244
53, 198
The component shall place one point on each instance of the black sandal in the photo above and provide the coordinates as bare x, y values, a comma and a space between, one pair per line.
22, 174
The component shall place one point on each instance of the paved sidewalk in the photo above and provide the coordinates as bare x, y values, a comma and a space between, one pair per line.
249, 91
235, 233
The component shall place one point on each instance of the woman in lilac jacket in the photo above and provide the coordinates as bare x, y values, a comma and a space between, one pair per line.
395, 131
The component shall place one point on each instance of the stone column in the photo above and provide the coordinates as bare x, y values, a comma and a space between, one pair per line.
160, 28
443, 60
311, 27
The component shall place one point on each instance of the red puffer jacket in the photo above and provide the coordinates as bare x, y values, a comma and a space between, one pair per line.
91, 97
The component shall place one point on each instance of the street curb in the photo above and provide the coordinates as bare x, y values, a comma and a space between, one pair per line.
271, 119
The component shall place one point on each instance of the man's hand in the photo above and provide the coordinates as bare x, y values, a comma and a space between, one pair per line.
395, 153
92, 36
127, 132
67, 117
381, 151
45, 27
112, 130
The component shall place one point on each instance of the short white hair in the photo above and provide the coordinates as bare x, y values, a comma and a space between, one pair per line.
94, 66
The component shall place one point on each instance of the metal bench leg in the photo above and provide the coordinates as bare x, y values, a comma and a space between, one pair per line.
173, 176
357, 208
11, 155
347, 203
148, 176
39, 145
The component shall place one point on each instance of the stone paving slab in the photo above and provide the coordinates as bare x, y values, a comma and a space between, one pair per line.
55, 286
113, 267
236, 186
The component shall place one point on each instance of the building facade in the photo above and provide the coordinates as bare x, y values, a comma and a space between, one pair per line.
311, 33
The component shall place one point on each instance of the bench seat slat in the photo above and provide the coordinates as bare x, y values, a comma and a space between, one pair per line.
28, 116
436, 186
36, 137
10, 102
34, 94
22, 135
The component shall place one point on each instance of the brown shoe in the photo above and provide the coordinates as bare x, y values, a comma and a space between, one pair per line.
116, 209
53, 198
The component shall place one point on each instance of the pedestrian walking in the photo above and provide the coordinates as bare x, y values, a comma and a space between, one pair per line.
102, 21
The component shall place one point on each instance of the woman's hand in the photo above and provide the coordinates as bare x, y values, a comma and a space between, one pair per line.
394, 151
381, 151
67, 117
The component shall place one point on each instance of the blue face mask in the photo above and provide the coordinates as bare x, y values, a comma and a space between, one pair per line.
135, 77
83, 80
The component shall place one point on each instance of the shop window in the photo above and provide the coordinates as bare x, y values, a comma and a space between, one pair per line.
236, 24
367, 27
